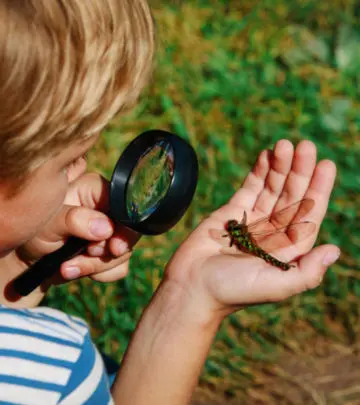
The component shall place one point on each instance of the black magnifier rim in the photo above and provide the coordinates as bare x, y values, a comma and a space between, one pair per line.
174, 204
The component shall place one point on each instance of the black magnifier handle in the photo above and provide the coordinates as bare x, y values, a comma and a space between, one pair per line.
48, 265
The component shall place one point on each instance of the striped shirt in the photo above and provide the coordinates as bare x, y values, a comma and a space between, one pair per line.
48, 357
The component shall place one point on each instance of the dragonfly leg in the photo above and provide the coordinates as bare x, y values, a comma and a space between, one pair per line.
244, 219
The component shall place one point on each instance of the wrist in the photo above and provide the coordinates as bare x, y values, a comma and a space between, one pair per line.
190, 309
168, 350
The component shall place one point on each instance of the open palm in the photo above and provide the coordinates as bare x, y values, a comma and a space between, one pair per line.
278, 179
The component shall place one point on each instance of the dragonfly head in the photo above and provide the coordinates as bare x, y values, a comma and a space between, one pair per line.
231, 225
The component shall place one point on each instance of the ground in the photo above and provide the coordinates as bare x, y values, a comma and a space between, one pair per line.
324, 372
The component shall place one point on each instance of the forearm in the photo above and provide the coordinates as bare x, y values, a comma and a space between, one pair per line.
167, 352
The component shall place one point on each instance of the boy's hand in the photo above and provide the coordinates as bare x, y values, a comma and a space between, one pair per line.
221, 283
83, 215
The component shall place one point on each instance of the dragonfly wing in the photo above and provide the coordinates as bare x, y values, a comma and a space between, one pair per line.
270, 241
284, 237
283, 217
276, 231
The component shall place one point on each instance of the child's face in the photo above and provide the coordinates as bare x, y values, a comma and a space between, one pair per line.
22, 216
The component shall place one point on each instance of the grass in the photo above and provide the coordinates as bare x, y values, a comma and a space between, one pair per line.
232, 78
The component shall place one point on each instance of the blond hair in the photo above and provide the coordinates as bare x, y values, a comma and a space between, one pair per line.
66, 68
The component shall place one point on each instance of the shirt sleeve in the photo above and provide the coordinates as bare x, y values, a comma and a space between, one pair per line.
88, 383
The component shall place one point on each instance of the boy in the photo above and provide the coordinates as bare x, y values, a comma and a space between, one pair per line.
67, 66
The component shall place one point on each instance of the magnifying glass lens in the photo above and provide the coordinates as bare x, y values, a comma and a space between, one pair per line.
150, 181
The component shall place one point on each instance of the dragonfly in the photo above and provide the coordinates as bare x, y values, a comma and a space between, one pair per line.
273, 232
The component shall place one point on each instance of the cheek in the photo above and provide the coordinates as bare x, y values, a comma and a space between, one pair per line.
43, 206
51, 201
23, 219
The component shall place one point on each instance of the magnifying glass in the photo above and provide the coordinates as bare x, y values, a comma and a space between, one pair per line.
152, 186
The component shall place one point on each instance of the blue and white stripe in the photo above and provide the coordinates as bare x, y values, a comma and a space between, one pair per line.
47, 357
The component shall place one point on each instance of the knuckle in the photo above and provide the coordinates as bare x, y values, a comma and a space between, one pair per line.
88, 269
72, 216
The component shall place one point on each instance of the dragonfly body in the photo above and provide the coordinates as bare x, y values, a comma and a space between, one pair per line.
277, 231
242, 239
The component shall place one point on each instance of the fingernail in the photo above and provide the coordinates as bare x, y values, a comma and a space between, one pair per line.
100, 227
330, 258
97, 251
122, 247
72, 272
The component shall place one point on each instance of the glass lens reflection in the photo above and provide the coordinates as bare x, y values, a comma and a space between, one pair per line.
150, 181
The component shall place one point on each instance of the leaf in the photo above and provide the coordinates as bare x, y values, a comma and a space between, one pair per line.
347, 51
336, 119
305, 47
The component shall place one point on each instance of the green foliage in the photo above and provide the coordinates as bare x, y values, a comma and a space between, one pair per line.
233, 78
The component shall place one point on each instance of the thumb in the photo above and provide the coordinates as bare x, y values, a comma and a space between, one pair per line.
82, 213
81, 216
83, 222
313, 265
307, 275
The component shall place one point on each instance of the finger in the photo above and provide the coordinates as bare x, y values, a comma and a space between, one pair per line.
320, 189
82, 265
97, 249
280, 165
311, 269
300, 176
122, 241
253, 184
82, 222
307, 275
114, 274
90, 190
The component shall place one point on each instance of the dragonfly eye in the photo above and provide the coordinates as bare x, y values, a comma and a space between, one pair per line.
232, 224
